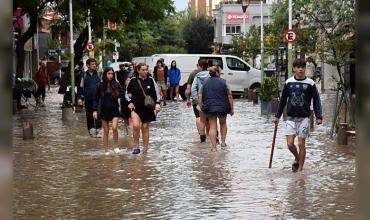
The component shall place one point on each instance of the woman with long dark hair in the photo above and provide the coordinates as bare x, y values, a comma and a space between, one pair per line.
175, 76
141, 115
108, 93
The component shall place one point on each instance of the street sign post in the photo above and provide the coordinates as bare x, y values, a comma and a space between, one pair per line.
290, 36
115, 56
90, 47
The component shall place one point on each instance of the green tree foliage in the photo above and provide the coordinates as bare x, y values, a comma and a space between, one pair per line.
334, 22
127, 12
151, 37
250, 43
198, 34
273, 33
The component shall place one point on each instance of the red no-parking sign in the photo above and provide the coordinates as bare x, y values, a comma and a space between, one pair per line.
90, 47
290, 36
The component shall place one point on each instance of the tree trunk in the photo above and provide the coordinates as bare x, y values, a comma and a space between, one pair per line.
20, 46
80, 45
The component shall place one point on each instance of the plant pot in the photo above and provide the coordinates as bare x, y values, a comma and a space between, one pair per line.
275, 105
266, 107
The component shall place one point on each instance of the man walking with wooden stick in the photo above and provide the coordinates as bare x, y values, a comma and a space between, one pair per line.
298, 92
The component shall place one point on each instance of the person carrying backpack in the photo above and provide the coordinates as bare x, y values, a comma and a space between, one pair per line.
195, 88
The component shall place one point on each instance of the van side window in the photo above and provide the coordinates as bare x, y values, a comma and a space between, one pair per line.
214, 61
235, 64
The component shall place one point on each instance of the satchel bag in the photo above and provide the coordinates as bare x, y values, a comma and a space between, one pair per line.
148, 101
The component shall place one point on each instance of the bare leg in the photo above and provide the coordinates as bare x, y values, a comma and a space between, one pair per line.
105, 125
115, 131
177, 93
302, 152
126, 123
223, 130
135, 129
171, 93
145, 132
212, 132
197, 122
202, 123
292, 147
164, 96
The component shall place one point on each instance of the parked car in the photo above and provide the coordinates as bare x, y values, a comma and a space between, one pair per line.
237, 72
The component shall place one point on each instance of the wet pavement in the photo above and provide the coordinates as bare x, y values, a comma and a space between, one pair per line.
63, 173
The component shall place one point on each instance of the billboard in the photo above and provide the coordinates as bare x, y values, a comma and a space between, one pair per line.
236, 17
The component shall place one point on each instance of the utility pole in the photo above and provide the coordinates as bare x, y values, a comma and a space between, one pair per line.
90, 53
290, 45
104, 37
262, 44
72, 65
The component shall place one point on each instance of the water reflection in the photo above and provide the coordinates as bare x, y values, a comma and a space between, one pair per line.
63, 174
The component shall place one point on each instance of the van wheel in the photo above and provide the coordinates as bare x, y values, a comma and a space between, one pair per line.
182, 92
255, 86
56, 81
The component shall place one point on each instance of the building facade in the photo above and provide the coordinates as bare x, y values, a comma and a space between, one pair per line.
203, 6
228, 18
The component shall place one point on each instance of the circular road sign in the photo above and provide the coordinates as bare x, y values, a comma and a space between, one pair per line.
90, 47
290, 36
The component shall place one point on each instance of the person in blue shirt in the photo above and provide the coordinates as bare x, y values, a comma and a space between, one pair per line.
298, 92
175, 76
108, 93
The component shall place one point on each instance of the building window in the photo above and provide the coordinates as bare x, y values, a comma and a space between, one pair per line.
233, 29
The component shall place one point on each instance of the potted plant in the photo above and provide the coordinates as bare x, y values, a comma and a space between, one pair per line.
268, 91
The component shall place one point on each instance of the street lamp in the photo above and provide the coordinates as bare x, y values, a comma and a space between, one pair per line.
245, 4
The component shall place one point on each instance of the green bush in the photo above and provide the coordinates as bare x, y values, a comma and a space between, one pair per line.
269, 89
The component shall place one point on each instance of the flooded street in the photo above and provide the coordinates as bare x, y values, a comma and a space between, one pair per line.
63, 173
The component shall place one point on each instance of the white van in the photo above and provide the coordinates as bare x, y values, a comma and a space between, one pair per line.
115, 65
238, 74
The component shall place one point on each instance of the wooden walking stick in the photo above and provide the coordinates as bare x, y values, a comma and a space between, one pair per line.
273, 145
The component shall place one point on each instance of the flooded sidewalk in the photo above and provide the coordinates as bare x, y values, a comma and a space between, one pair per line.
63, 173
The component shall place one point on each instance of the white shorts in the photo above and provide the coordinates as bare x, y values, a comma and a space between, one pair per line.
161, 85
297, 127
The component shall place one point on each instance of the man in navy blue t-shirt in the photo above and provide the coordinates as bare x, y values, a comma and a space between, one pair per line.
298, 92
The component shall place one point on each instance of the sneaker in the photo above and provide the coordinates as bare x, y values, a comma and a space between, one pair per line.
136, 151
117, 150
107, 153
92, 132
295, 166
99, 133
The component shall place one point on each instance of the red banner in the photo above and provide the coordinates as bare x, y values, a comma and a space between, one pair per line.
236, 17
